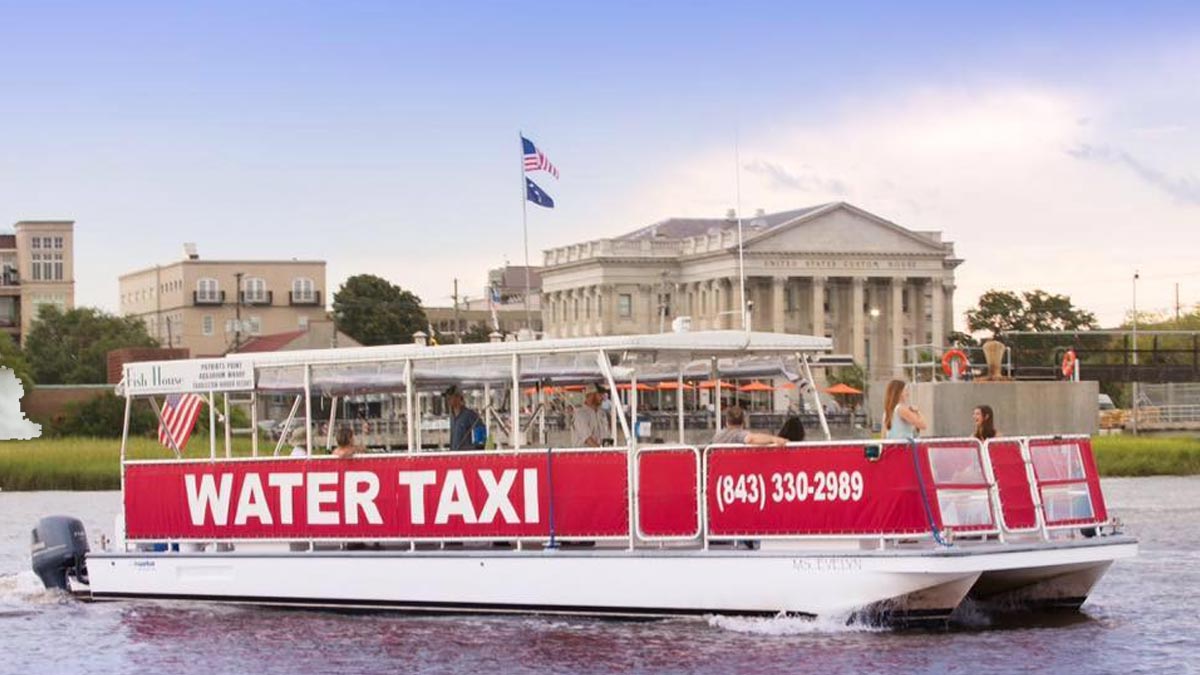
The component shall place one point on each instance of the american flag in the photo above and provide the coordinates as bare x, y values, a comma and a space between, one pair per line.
535, 160
178, 418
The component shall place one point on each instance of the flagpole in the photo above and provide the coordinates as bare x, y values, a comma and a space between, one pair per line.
525, 227
737, 160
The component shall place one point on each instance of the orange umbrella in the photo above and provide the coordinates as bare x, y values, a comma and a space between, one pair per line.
756, 386
840, 388
573, 387
787, 385
624, 386
672, 385
533, 390
709, 384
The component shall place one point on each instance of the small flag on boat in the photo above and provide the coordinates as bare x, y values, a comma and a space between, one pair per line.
535, 160
536, 195
179, 415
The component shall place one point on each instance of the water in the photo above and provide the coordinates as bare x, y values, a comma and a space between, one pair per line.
1141, 619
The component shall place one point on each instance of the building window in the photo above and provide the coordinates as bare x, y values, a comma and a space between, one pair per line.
575, 309
207, 324
58, 267
58, 242
303, 290
254, 325
587, 307
207, 290
904, 295
255, 289
36, 242
625, 305
37, 265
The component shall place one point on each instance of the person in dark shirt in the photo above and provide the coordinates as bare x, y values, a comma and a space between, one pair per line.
793, 430
463, 420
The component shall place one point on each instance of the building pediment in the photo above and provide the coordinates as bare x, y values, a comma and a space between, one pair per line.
840, 227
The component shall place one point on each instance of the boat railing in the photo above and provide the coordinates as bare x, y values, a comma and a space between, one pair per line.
889, 492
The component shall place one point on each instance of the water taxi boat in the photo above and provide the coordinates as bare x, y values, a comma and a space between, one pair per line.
893, 530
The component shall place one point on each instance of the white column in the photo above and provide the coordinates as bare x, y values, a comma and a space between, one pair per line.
778, 291
858, 335
939, 316
897, 325
818, 306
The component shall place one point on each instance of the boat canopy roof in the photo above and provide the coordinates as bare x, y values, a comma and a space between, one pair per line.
649, 358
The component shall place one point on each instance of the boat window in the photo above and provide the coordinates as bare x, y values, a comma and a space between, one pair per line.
964, 508
1057, 462
956, 465
1067, 502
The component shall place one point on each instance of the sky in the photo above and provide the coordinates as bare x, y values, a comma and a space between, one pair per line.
1054, 143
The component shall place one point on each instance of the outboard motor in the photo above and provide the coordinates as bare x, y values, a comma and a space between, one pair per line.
58, 549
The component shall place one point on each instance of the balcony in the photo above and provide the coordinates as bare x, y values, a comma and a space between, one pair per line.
264, 299
310, 300
215, 299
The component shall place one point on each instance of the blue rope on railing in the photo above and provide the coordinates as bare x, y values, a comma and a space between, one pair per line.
937, 535
550, 495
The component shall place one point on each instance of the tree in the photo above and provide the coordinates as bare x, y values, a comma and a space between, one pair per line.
375, 311
12, 358
1005, 311
72, 347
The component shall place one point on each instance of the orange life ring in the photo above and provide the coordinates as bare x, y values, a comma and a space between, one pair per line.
1068, 364
949, 357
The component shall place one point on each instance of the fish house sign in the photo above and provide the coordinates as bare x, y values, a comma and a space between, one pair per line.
195, 376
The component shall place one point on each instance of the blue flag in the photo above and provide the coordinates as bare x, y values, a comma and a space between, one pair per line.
536, 195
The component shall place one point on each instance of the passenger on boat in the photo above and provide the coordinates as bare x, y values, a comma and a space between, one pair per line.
589, 428
298, 438
463, 420
985, 422
736, 433
793, 430
901, 419
345, 443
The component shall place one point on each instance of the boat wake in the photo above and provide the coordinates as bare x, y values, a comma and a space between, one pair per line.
23, 590
784, 625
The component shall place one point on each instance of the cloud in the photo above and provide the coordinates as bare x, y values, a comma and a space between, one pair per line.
782, 179
1186, 190
997, 170
13, 425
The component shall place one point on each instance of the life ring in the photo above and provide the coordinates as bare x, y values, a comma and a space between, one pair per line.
1068, 364
947, 362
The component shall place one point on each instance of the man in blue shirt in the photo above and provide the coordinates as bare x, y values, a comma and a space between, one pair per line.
463, 420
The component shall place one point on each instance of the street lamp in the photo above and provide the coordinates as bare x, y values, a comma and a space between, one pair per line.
1135, 355
874, 314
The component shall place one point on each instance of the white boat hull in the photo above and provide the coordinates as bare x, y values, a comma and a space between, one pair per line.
902, 584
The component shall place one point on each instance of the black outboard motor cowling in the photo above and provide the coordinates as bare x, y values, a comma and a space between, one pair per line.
58, 549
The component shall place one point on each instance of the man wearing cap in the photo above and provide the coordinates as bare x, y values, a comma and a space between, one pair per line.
463, 420
590, 426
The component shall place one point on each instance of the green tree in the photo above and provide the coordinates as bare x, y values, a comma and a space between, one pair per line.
12, 358
72, 347
102, 417
375, 311
1005, 311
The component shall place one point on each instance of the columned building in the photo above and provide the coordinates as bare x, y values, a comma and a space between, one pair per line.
833, 270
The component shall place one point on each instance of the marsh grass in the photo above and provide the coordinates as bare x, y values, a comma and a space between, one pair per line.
90, 463
1147, 455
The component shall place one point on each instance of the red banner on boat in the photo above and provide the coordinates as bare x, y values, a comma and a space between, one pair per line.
818, 490
535, 494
